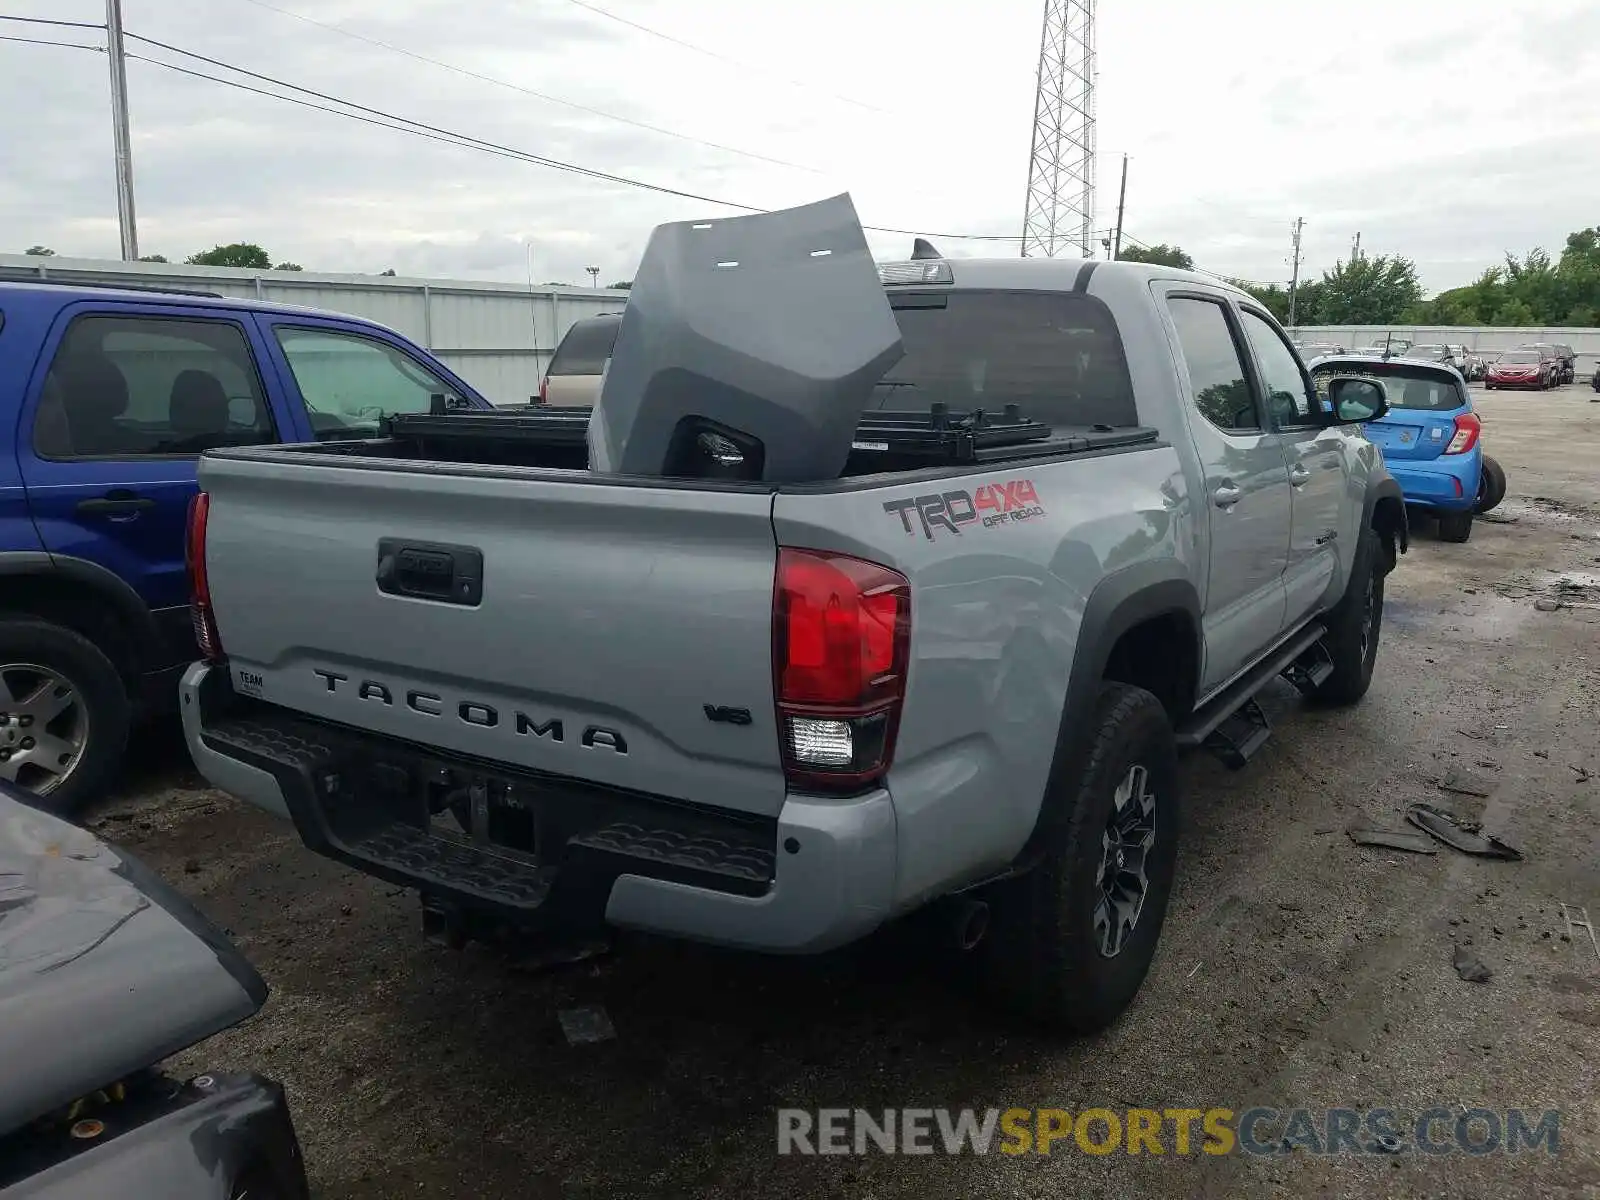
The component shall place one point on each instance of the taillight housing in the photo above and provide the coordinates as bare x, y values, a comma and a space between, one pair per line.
1468, 426
841, 642
544, 389
205, 622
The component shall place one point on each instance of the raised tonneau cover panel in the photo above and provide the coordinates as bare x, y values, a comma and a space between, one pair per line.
775, 326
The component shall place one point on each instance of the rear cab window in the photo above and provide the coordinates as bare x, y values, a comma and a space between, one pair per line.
1407, 385
1057, 355
586, 347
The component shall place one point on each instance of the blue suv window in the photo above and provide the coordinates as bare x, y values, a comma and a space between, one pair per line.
349, 382
130, 387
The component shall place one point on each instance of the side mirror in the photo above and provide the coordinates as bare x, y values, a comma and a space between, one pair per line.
1355, 401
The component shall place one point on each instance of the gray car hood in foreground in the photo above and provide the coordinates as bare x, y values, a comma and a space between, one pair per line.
104, 969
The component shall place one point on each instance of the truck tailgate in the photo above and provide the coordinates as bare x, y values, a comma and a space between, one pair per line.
621, 634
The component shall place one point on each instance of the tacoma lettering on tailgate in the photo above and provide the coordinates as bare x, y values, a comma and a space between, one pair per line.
992, 504
469, 712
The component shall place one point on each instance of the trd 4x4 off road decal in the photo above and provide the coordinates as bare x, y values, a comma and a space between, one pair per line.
992, 504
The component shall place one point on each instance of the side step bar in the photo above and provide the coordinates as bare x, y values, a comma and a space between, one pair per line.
1232, 723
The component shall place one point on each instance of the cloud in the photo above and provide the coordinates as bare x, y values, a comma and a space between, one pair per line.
1380, 118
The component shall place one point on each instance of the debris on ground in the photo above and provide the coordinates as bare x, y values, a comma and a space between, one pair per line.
1580, 922
191, 866
1470, 967
1465, 836
1465, 783
1583, 774
1547, 604
1391, 839
544, 958
1468, 733
587, 1024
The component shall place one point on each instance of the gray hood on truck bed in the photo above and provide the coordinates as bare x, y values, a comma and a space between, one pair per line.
104, 970
773, 326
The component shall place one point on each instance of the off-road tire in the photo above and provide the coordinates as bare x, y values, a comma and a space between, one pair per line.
100, 689
1354, 655
1042, 960
1455, 527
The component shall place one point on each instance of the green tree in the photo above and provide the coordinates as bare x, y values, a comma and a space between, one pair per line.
1162, 255
235, 254
152, 258
1369, 291
388, 271
1582, 315
1273, 298
288, 266
1516, 312
40, 251
621, 286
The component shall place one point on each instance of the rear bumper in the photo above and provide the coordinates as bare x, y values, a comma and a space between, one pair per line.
1446, 484
201, 1140
1537, 383
819, 875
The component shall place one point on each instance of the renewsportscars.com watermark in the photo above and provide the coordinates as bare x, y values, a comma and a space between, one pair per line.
1176, 1131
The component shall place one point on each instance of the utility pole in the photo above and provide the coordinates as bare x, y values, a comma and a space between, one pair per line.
1356, 253
1294, 273
119, 131
1122, 199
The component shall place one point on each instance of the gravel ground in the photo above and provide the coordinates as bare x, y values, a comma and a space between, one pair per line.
1296, 969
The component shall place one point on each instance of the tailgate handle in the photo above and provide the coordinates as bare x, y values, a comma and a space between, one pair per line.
429, 571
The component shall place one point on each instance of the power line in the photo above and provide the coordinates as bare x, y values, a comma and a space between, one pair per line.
527, 91
4, 37
50, 21
677, 41
437, 133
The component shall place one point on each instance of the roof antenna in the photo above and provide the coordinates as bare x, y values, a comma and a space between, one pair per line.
923, 248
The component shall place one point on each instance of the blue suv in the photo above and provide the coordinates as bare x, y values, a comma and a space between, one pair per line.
107, 398
1430, 437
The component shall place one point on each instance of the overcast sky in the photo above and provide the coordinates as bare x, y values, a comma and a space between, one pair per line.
1449, 133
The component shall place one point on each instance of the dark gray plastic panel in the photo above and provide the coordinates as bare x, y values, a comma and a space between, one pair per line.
774, 325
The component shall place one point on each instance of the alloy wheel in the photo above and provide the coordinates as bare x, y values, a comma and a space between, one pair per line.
1124, 854
44, 727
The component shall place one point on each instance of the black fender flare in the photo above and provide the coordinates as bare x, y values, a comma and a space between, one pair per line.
1118, 603
126, 604
1386, 487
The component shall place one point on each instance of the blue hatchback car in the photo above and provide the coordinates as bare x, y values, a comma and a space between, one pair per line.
1429, 437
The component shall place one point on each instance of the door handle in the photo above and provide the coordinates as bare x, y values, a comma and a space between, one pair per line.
1226, 496
118, 503
1298, 475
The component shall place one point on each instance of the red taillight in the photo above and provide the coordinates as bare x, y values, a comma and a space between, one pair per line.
205, 624
1466, 435
841, 640
544, 389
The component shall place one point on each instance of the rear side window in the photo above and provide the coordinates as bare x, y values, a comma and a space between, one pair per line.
1057, 355
1216, 368
585, 348
127, 387
1419, 391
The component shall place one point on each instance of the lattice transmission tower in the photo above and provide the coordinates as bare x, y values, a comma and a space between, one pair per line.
1060, 212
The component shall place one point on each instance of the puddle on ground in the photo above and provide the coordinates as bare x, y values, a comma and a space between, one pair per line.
1485, 617
1543, 510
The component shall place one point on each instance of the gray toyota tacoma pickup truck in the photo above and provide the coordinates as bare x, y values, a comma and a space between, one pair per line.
863, 588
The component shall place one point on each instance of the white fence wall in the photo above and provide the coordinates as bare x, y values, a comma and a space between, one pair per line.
498, 337
1586, 341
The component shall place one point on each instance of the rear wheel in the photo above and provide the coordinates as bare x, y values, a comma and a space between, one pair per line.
1071, 941
1491, 485
64, 714
1455, 527
1354, 626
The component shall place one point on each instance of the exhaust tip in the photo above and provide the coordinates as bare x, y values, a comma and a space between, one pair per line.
971, 923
